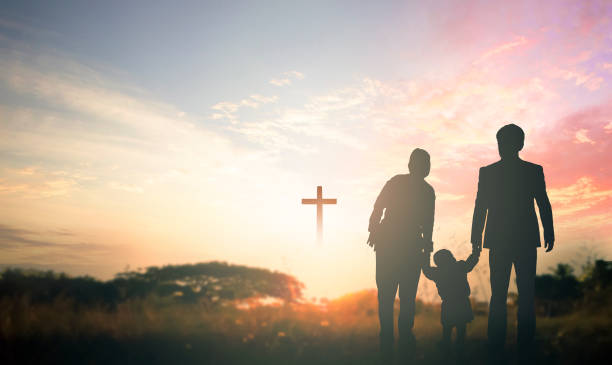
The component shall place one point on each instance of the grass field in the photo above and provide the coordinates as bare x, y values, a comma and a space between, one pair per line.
343, 331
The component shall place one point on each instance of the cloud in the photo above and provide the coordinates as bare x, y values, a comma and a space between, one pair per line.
13, 237
84, 94
249, 103
472, 21
30, 170
227, 110
295, 74
578, 197
288, 78
70, 107
566, 160
264, 99
280, 82
370, 111
59, 250
131, 188
588, 80
290, 125
505, 47
270, 136
34, 183
581, 137
255, 100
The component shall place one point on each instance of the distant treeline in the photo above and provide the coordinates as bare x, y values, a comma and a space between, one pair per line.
210, 282
562, 291
213, 283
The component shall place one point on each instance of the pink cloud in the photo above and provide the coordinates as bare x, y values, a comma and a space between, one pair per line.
579, 196
582, 137
565, 160
589, 80
505, 47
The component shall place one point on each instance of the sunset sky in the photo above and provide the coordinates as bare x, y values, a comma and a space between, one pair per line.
145, 133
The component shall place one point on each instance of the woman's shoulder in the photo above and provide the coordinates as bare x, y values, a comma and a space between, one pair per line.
429, 187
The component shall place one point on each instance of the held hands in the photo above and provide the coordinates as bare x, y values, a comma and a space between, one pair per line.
428, 247
426, 258
476, 249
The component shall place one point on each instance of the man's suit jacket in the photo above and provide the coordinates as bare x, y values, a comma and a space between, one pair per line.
505, 200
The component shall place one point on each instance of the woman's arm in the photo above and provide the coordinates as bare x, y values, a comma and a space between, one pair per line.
428, 224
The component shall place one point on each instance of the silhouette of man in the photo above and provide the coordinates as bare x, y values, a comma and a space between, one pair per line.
505, 201
400, 241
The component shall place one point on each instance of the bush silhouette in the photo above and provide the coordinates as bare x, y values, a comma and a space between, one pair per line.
213, 281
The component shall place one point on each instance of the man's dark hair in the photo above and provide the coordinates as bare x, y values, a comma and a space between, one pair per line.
419, 162
510, 138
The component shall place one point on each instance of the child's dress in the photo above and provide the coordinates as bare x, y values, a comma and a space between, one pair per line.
454, 290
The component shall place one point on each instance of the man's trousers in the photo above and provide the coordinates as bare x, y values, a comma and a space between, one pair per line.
500, 265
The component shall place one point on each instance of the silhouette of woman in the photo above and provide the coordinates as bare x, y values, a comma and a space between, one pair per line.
400, 241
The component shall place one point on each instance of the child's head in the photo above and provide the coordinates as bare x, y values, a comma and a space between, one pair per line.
444, 258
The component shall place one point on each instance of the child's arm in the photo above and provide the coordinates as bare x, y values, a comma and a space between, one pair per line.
428, 271
472, 260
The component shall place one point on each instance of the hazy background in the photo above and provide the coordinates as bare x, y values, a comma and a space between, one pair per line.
147, 133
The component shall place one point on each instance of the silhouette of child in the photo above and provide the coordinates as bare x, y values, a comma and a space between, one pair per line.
450, 277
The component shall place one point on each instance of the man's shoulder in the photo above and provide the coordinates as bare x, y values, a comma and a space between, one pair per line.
531, 165
489, 168
492, 166
499, 165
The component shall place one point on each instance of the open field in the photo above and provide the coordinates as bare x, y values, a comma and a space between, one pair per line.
341, 332
157, 329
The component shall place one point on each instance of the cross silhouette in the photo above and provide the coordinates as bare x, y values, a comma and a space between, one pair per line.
319, 201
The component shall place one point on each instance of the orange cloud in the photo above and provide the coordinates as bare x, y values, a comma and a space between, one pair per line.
578, 197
